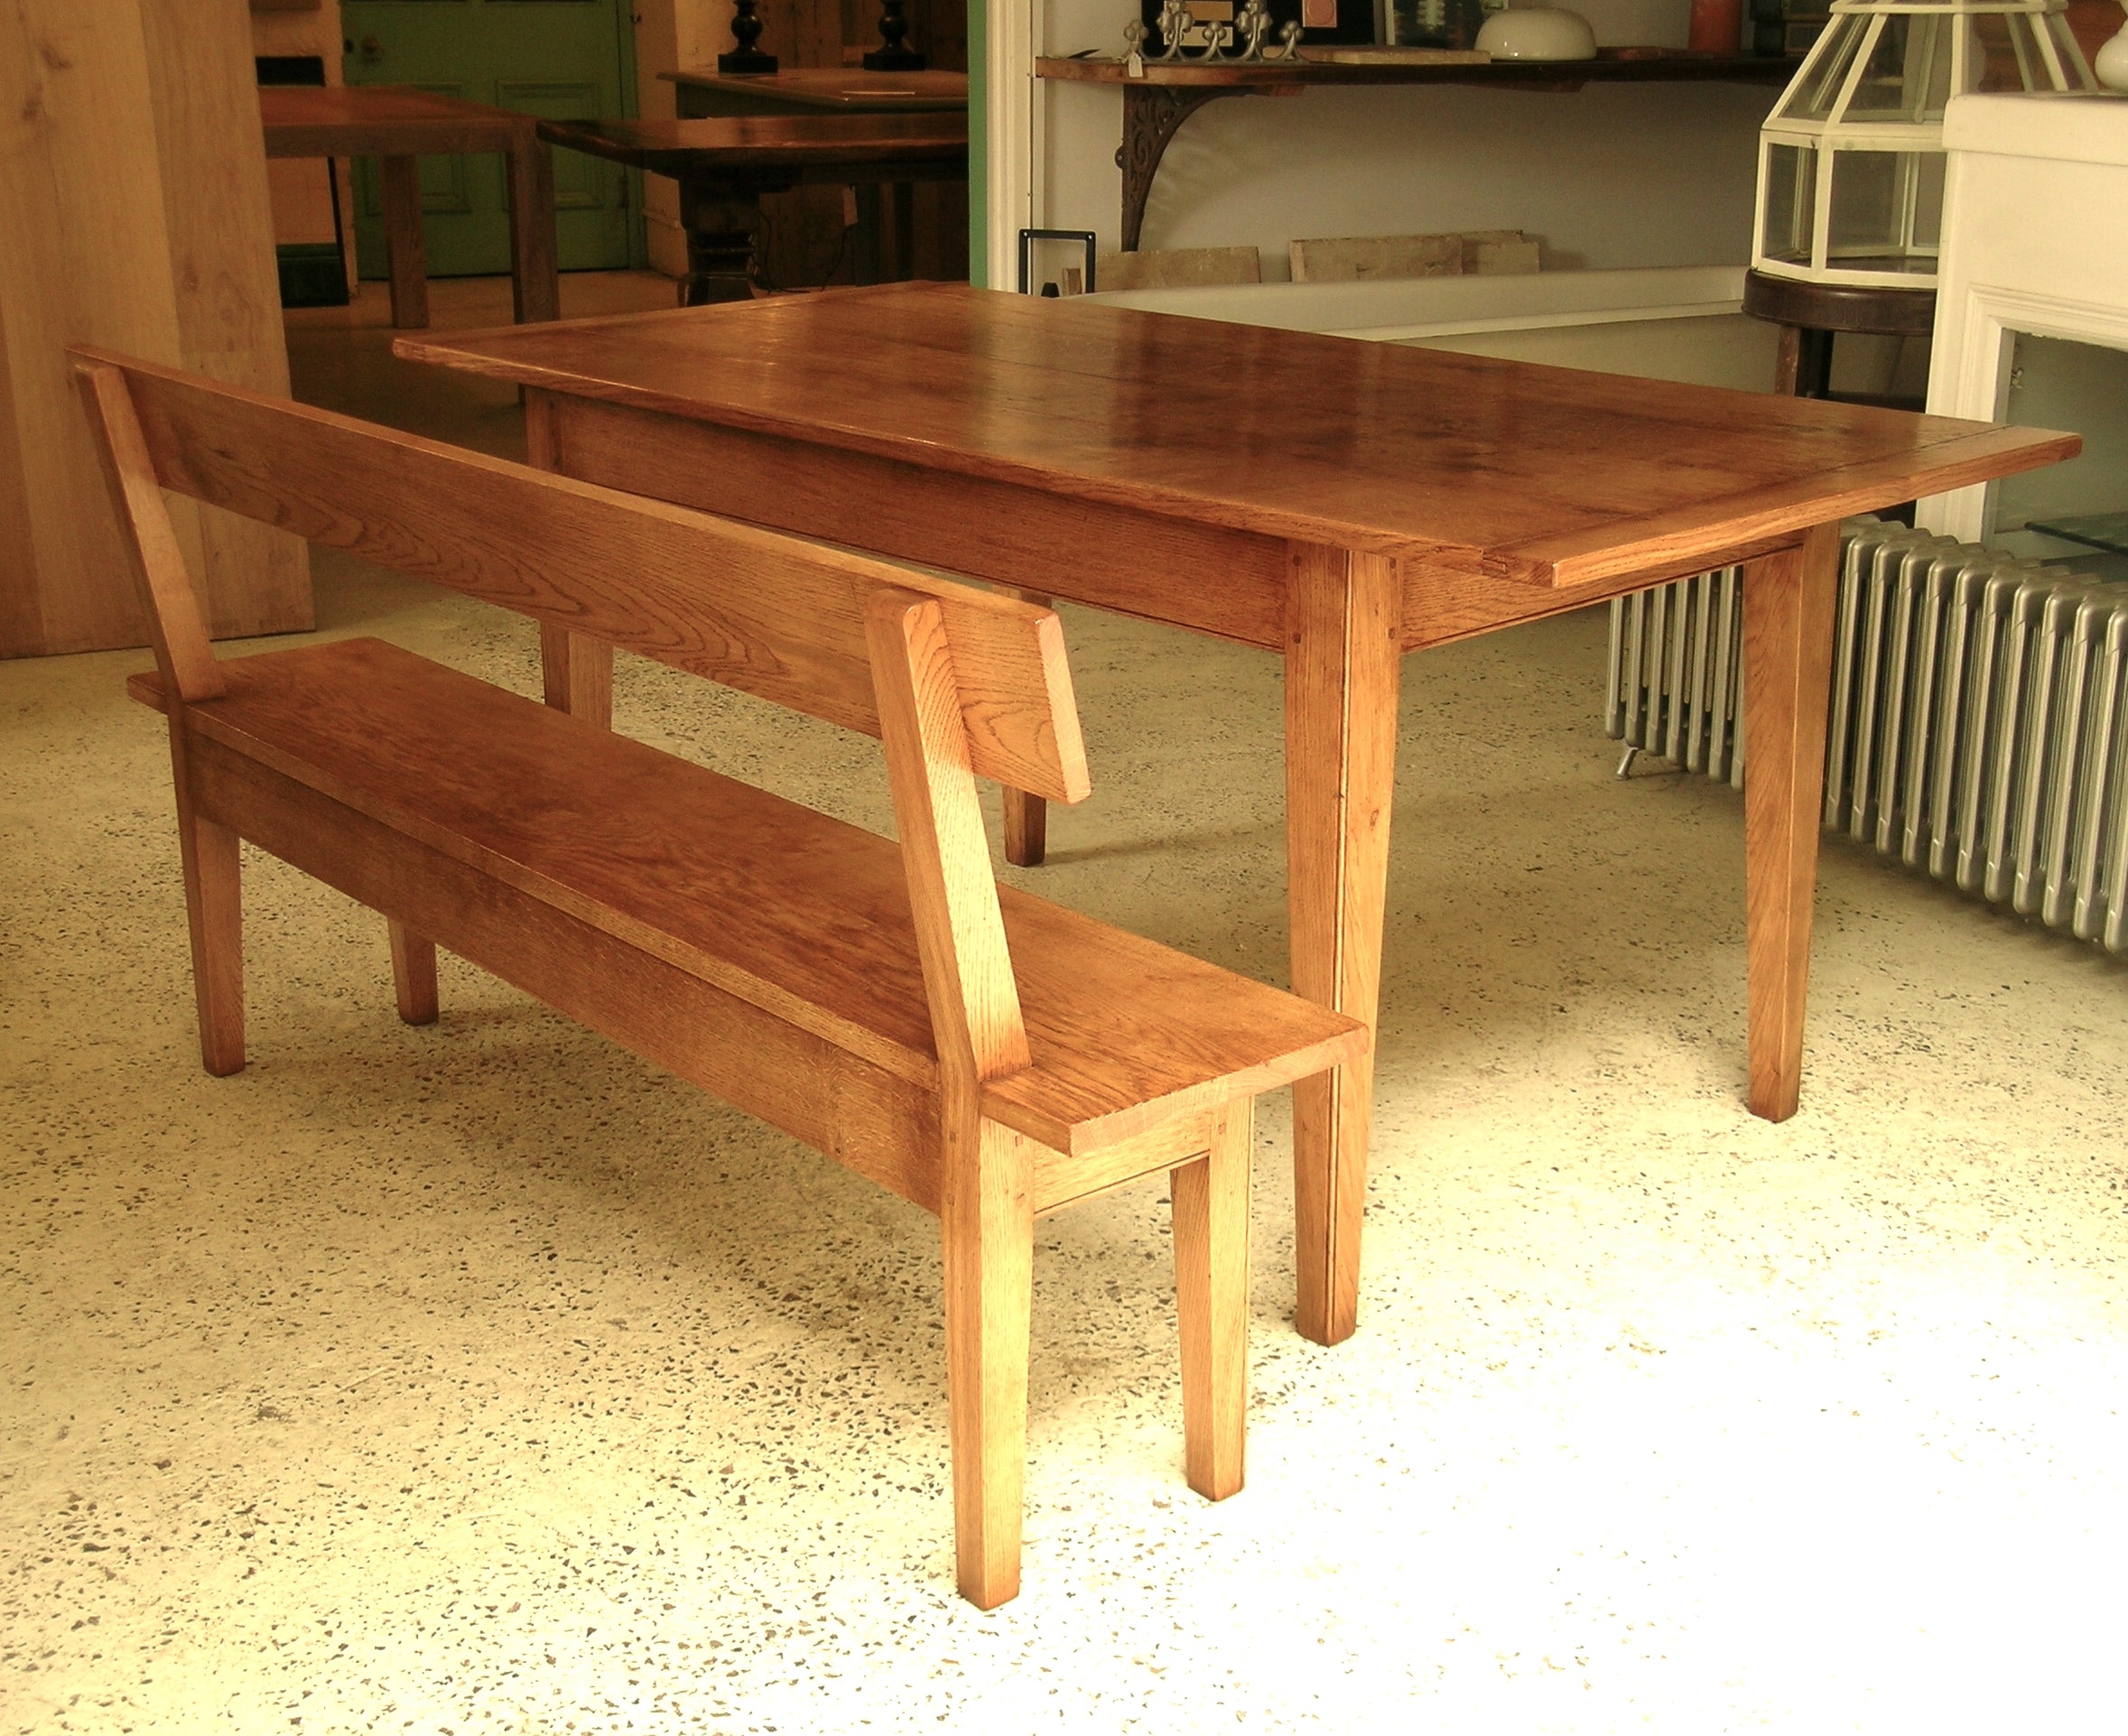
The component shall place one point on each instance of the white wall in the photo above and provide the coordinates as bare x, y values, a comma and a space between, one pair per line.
1610, 177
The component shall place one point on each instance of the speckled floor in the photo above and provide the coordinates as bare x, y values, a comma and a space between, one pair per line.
483, 1379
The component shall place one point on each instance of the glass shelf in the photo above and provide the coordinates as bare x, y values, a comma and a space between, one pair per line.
2108, 531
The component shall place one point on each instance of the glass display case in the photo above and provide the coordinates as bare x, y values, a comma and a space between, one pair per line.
1851, 164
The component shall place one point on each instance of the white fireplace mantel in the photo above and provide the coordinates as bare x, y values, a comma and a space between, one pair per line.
2035, 240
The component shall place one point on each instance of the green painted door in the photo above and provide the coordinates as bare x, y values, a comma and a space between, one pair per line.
564, 60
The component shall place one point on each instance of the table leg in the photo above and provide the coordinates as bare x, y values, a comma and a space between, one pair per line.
577, 673
535, 286
901, 197
866, 243
1787, 653
1026, 817
405, 249
721, 224
1343, 659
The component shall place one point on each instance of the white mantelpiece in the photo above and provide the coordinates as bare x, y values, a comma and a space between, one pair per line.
2035, 240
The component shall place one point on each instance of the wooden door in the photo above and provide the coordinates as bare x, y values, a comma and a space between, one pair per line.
564, 60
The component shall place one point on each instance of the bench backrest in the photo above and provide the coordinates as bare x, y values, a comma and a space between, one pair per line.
753, 609
956, 682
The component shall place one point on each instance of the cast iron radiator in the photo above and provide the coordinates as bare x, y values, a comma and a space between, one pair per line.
1978, 727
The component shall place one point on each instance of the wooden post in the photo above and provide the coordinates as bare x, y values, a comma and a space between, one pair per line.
138, 219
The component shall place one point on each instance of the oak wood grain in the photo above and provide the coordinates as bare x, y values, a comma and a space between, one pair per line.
576, 671
1211, 1196
977, 1031
758, 611
1226, 583
1788, 641
1341, 669
407, 249
1381, 447
863, 994
797, 913
987, 1228
1026, 817
168, 603
880, 1126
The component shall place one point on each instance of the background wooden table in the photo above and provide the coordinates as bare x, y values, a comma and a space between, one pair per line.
724, 166
1340, 503
398, 126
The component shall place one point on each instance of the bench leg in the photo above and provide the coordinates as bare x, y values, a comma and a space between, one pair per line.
214, 912
413, 975
988, 1221
1210, 1197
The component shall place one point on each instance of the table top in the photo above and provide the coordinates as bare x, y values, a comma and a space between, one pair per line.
1610, 67
837, 87
766, 140
1551, 476
355, 120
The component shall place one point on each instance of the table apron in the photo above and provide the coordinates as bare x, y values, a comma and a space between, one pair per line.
396, 138
1230, 584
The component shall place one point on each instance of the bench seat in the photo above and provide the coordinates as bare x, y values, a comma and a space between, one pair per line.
800, 915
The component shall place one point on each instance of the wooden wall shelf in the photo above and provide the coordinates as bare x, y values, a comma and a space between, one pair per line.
1157, 101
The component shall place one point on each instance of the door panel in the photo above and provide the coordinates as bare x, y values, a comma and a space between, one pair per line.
562, 59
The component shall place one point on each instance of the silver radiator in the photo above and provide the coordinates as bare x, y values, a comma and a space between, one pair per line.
1978, 727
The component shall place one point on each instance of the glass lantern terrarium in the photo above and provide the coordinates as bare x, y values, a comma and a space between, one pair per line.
1851, 163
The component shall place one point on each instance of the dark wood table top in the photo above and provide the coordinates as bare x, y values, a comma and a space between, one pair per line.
766, 141
362, 120
1551, 476
837, 87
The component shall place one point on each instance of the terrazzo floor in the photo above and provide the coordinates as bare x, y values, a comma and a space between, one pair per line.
483, 1379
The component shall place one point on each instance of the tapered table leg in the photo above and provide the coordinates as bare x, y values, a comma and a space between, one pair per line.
535, 285
406, 254
1343, 659
1788, 654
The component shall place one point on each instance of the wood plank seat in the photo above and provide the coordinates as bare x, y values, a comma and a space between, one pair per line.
974, 1049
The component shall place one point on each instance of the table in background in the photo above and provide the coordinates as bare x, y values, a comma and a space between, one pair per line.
397, 125
885, 221
1339, 503
724, 166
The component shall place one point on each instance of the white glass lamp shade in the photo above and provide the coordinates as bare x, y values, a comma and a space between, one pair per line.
1851, 162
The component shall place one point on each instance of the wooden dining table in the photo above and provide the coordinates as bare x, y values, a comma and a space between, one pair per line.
399, 124
1337, 502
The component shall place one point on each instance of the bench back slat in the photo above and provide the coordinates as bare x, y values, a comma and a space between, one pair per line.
757, 610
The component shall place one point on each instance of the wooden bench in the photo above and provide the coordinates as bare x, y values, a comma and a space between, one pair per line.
981, 1053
